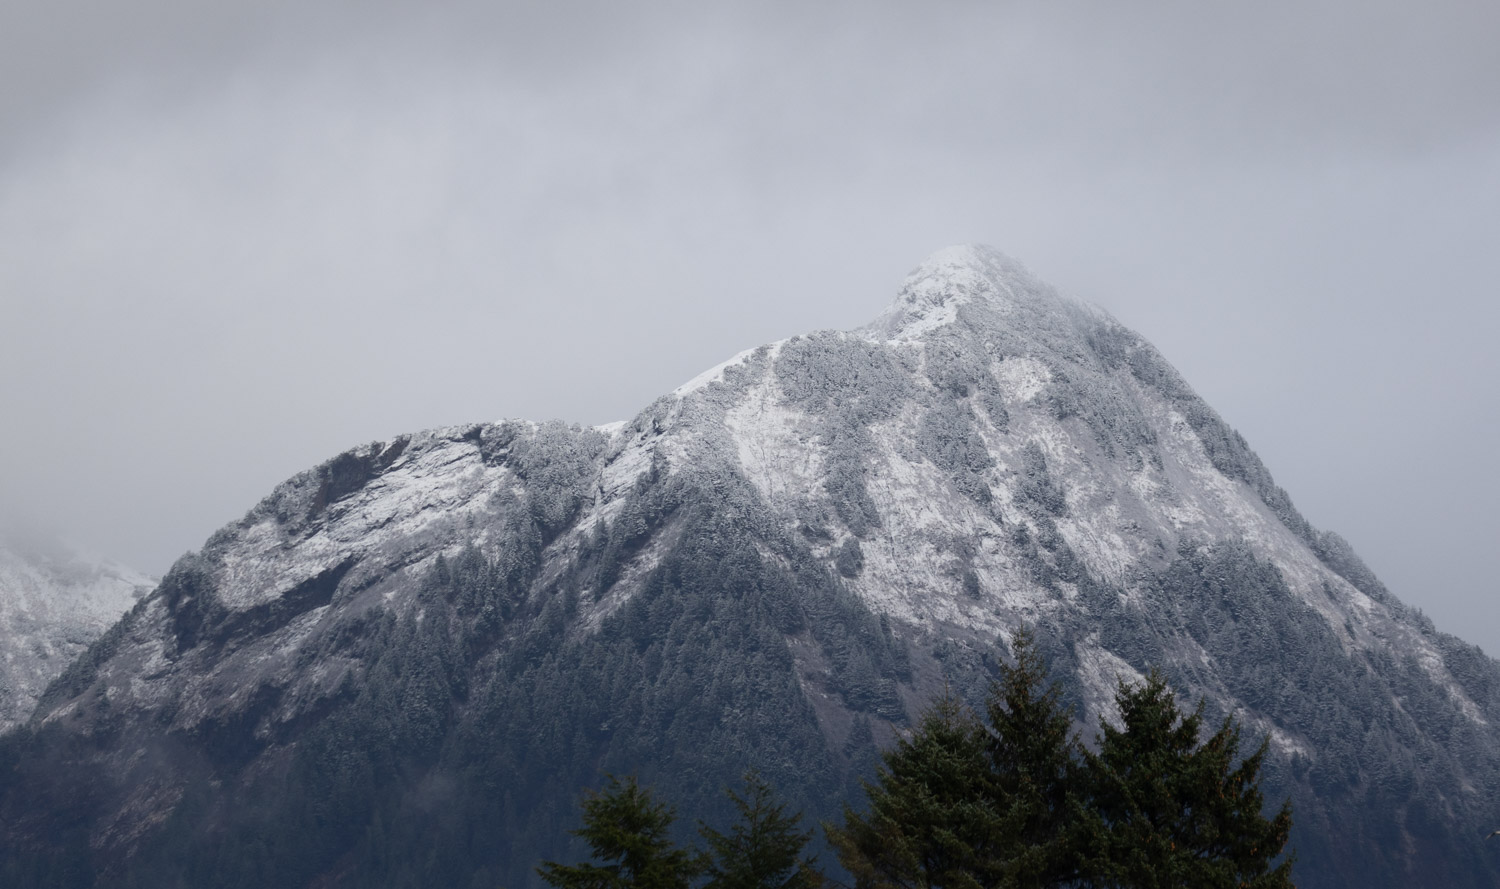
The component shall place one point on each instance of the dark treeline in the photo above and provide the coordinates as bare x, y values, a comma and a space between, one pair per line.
1010, 801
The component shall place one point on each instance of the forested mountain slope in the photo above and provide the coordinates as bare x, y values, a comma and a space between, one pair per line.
401, 666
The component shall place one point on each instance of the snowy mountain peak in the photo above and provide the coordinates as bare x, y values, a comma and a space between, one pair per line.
951, 278
779, 562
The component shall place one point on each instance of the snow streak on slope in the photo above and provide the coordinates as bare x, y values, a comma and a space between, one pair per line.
1131, 477
1120, 515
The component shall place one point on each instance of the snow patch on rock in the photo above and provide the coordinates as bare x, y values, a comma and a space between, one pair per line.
1022, 378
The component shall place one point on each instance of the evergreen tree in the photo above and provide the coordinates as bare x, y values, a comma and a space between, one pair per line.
1166, 812
930, 823
1020, 804
1032, 760
965, 805
764, 849
628, 831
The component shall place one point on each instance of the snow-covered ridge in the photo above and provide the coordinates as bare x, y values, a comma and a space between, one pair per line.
716, 373
436, 489
415, 487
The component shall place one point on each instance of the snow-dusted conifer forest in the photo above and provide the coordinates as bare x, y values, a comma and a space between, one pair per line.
403, 665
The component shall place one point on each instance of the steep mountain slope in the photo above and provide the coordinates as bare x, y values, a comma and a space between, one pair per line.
400, 667
54, 601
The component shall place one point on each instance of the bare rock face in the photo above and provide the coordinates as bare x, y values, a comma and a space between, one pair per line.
402, 665
54, 602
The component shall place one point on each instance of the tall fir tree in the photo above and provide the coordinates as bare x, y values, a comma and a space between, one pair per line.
966, 805
628, 833
763, 849
929, 824
1166, 811
1033, 770
1019, 803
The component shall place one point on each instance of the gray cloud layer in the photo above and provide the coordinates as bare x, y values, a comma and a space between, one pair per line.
237, 238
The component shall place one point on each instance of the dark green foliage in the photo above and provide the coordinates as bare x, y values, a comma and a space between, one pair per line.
1032, 767
1166, 810
764, 848
629, 833
964, 804
1020, 803
929, 822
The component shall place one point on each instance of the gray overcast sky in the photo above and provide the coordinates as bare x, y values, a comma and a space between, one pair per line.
239, 237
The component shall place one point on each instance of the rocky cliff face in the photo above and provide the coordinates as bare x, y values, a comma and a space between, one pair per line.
403, 664
54, 602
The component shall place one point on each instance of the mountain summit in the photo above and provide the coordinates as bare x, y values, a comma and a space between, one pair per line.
402, 665
967, 275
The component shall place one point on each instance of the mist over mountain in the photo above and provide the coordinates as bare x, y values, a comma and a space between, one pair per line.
402, 666
54, 601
